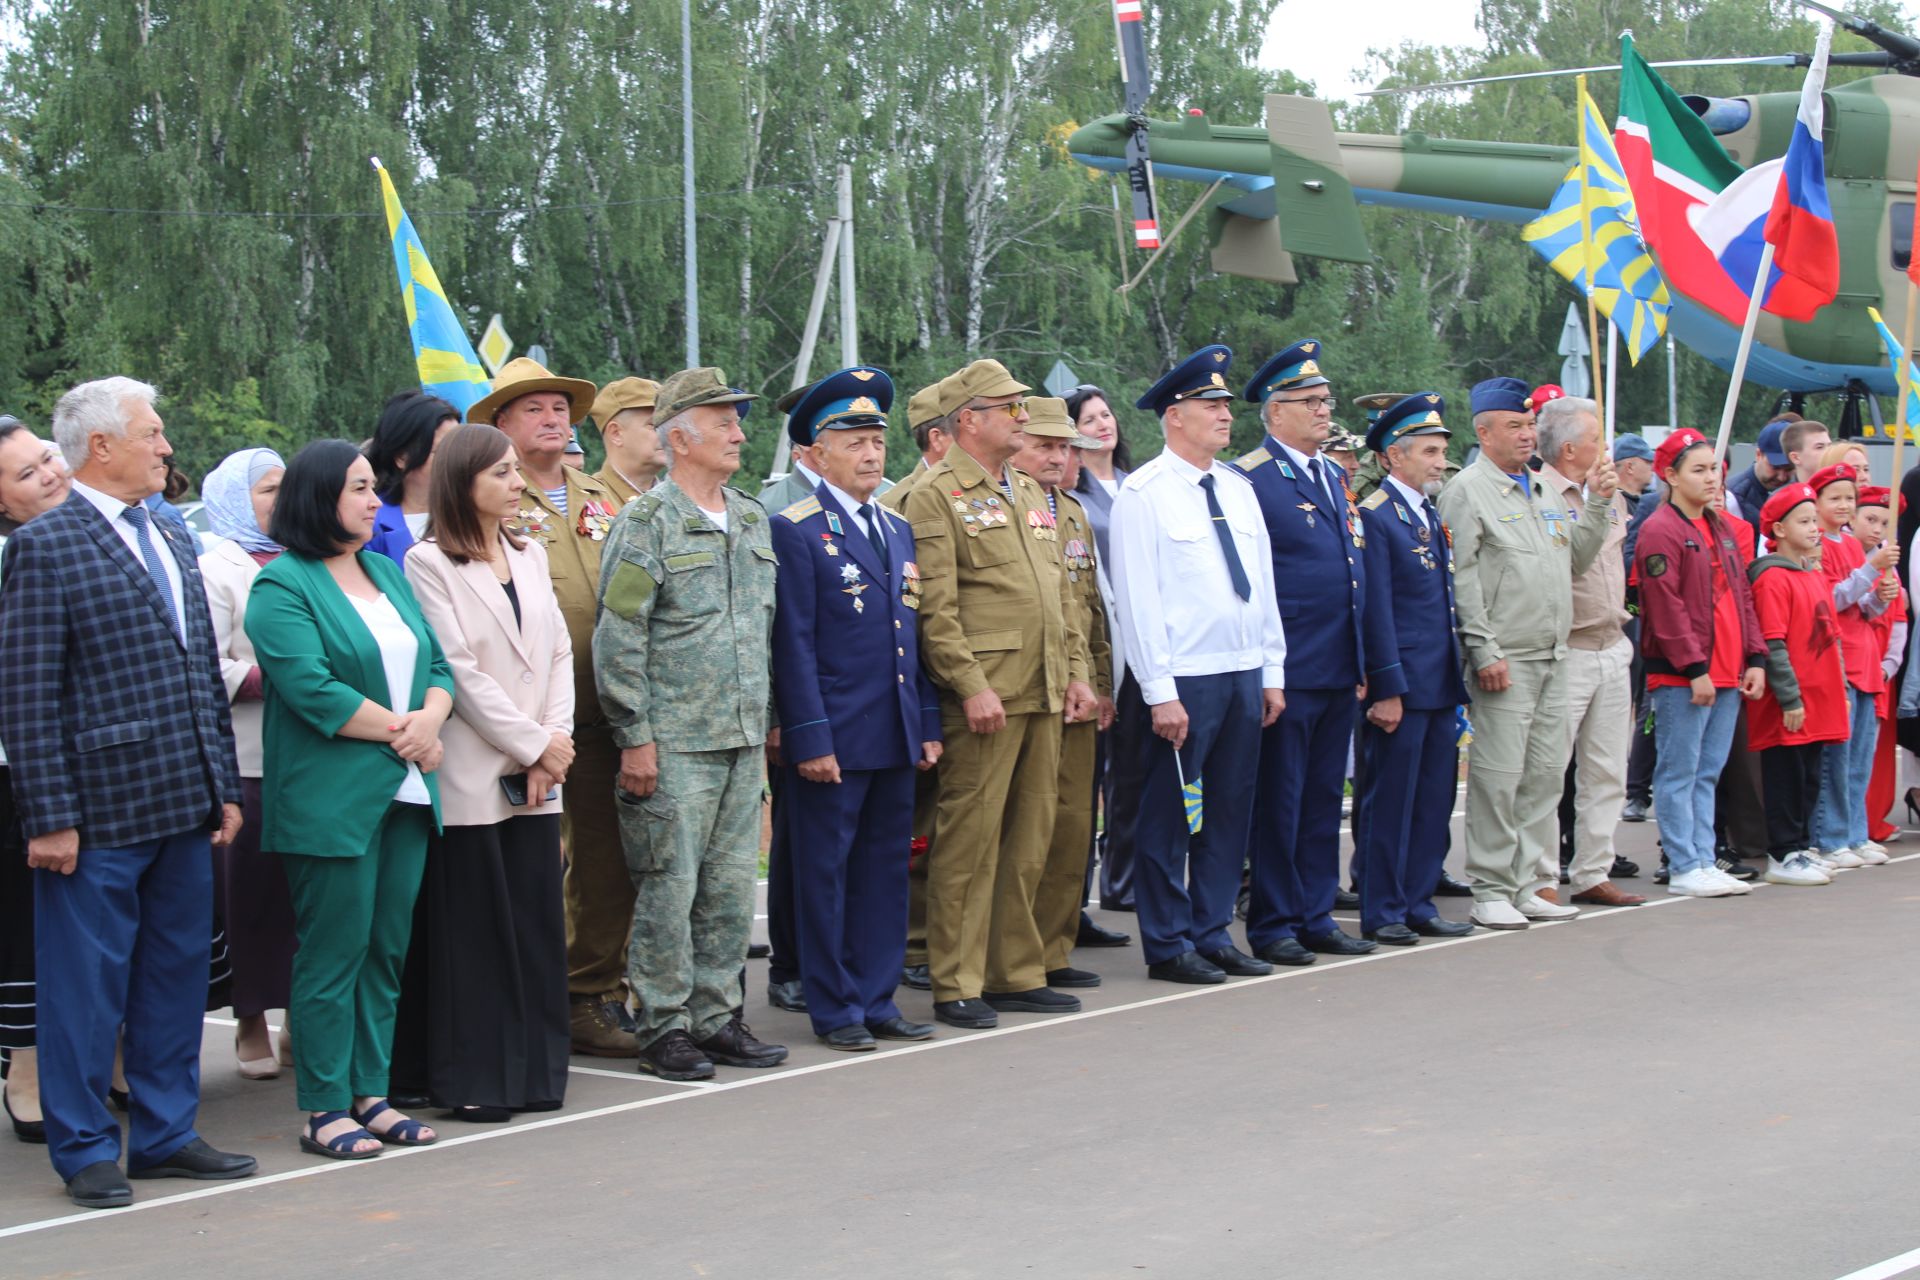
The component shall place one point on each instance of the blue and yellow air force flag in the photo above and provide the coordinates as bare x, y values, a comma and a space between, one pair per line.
1913, 386
1190, 797
448, 367
1627, 286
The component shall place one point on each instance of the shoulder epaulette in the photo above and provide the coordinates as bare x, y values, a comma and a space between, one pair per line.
1247, 462
888, 513
644, 506
1374, 500
807, 506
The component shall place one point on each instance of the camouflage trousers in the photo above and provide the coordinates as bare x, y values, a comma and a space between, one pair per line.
692, 849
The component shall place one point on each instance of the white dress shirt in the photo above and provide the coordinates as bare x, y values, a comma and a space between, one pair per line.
113, 509
853, 505
399, 654
1305, 462
1179, 614
1413, 498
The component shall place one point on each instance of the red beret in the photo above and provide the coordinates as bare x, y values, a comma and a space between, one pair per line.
1828, 475
1673, 446
1543, 393
1781, 501
1874, 495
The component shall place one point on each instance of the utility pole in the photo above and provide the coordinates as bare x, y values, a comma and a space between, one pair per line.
686, 183
838, 241
849, 318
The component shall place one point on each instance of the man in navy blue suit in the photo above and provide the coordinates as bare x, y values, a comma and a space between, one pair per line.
116, 723
1410, 744
1319, 575
857, 716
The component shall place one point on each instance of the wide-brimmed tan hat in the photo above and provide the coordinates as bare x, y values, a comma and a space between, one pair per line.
621, 395
1047, 417
522, 377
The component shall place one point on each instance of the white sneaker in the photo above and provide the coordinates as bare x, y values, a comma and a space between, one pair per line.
1699, 883
1795, 868
1535, 907
1821, 861
1734, 886
1497, 915
1846, 859
1873, 853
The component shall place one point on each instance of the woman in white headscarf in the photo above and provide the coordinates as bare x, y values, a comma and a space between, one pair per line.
250, 887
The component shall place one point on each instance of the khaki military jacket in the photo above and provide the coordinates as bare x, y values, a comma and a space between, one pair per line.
616, 484
895, 499
991, 615
1514, 554
683, 648
1081, 587
573, 543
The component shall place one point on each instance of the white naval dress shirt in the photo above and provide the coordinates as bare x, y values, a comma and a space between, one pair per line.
112, 508
1179, 614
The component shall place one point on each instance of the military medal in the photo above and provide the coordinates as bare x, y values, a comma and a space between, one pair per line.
596, 521
1309, 509
826, 540
533, 523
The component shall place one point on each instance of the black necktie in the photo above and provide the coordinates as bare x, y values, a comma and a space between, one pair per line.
1235, 570
1320, 481
874, 534
1433, 517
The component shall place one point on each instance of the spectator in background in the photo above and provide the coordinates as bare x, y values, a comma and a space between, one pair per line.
1872, 521
1747, 492
496, 945
357, 689
33, 479
250, 886
624, 410
1803, 442
412, 424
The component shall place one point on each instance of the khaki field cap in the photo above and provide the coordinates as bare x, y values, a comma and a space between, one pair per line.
981, 380
522, 377
925, 406
622, 394
1048, 417
691, 387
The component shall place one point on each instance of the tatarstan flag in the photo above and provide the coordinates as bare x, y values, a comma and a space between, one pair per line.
1674, 167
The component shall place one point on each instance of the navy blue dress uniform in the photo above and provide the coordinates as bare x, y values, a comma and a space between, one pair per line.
848, 683
1320, 579
1413, 654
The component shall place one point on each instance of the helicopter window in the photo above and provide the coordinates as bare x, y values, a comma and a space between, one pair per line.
1902, 234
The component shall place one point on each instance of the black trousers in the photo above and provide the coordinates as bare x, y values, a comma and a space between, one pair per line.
1129, 751
1792, 784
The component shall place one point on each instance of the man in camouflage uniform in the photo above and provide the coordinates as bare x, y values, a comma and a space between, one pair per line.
682, 653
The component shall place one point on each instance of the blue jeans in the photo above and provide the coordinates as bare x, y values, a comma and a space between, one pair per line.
1840, 818
1692, 744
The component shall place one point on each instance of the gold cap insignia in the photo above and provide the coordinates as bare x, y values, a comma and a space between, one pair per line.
1218, 381
1219, 356
865, 375
1308, 347
863, 404
1433, 399
1307, 370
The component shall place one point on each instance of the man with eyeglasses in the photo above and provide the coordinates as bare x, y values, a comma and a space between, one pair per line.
1319, 571
1012, 667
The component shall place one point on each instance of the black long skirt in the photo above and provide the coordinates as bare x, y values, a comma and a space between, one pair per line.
496, 966
250, 893
16, 927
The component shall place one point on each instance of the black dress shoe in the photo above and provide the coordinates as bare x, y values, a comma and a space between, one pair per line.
1623, 868
1345, 900
401, 1100
1634, 811
675, 1057
758, 951
900, 1029
1394, 935
478, 1114
1439, 928
1038, 1000
854, 1039
1286, 951
1072, 978
1116, 904
917, 977
1190, 968
100, 1185
1335, 944
973, 1015
1236, 963
29, 1131
734, 1045
1092, 935
199, 1161
787, 995
1451, 888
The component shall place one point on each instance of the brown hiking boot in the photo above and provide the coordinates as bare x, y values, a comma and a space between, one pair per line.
602, 1027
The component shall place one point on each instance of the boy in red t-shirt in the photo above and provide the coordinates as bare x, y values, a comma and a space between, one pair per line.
1861, 593
1872, 523
1805, 706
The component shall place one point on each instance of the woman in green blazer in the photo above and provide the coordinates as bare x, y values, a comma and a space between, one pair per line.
356, 691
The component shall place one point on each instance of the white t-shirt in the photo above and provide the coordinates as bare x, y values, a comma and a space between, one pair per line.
719, 517
399, 651
416, 523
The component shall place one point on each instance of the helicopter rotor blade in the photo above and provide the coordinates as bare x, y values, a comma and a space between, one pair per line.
1137, 85
1758, 60
1904, 49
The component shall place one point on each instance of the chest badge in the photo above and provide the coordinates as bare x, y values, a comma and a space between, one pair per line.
827, 544
1309, 509
534, 523
596, 521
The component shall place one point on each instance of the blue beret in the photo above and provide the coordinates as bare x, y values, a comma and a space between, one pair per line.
1770, 446
857, 397
1631, 444
1201, 376
1416, 415
1297, 366
1502, 395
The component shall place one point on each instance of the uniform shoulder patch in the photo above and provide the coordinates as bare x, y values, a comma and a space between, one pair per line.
643, 507
1375, 500
1248, 461
1656, 566
807, 506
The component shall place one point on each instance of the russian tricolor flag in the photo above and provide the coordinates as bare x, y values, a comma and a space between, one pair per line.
1783, 203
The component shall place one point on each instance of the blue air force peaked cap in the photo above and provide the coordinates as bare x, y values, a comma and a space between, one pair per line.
1201, 376
1297, 366
1502, 395
856, 397
1419, 414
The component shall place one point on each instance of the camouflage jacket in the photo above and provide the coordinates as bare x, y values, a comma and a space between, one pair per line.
682, 647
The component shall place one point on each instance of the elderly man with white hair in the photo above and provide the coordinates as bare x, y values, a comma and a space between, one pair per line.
117, 726
1599, 663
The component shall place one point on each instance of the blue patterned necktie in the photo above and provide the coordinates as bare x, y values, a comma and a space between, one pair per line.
1235, 570
136, 516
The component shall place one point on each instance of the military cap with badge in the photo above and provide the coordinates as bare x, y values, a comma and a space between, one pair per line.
1201, 376
1292, 368
1420, 414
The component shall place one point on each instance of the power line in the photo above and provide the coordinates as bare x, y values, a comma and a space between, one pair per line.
36, 206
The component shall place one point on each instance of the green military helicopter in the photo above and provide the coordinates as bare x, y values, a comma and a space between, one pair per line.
1294, 187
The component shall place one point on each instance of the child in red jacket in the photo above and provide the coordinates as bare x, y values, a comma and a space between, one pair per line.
1805, 706
1872, 525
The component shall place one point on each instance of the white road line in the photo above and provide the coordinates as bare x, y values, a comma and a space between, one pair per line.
1908, 1261
637, 1076
1426, 947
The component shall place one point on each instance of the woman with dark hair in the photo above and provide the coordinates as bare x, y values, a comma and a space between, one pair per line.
495, 945
412, 425
1102, 468
33, 479
356, 692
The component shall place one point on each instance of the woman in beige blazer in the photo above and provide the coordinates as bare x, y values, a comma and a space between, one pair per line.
494, 946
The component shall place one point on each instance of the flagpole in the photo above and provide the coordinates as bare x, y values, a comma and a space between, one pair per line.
1586, 236
1905, 383
1746, 347
1613, 371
